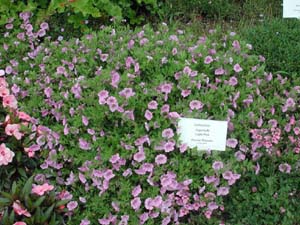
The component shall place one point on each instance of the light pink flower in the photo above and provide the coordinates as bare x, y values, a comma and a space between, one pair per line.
72, 205
139, 156
237, 68
103, 95
167, 133
148, 115
14, 129
219, 71
240, 156
10, 101
233, 81
161, 159
4, 91
169, 146
148, 204
24, 116
19, 223
136, 203
136, 191
285, 168
152, 105
19, 210
127, 93
231, 142
208, 59
217, 165
6, 155
222, 191
42, 189
195, 104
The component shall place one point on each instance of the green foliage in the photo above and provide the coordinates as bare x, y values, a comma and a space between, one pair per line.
219, 9
278, 41
37, 210
266, 198
80, 12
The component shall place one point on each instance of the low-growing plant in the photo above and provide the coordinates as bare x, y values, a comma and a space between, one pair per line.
114, 99
277, 41
32, 204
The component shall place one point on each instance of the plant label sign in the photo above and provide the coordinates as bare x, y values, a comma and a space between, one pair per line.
203, 134
291, 8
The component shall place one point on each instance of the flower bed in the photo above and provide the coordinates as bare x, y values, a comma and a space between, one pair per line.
114, 99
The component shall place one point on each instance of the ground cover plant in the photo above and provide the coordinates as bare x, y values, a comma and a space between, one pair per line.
114, 98
277, 41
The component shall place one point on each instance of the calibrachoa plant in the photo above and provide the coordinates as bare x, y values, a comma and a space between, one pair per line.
114, 98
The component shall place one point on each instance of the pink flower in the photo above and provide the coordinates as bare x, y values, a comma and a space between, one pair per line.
136, 191
240, 156
148, 115
231, 142
185, 93
85, 120
115, 79
169, 146
103, 95
208, 59
285, 168
41, 189
208, 214
139, 156
233, 81
60, 70
161, 159
166, 88
84, 145
217, 165
13, 129
167, 133
219, 71
85, 222
237, 68
72, 205
6, 155
19, 210
152, 105
222, 191
136, 203
24, 116
10, 101
19, 223
2, 72
4, 91
195, 104
127, 93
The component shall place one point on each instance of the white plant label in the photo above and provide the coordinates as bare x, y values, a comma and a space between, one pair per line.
291, 9
203, 134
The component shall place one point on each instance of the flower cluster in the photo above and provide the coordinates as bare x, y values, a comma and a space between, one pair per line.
113, 99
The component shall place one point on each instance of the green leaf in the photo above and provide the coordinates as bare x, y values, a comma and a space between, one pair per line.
39, 202
14, 188
27, 187
47, 214
12, 217
4, 201
62, 202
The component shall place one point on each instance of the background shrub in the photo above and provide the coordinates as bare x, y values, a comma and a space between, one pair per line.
278, 41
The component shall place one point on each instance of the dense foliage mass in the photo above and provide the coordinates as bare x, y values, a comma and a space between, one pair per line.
113, 99
278, 41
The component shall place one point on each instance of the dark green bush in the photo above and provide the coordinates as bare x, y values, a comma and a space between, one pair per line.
221, 9
80, 11
278, 42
